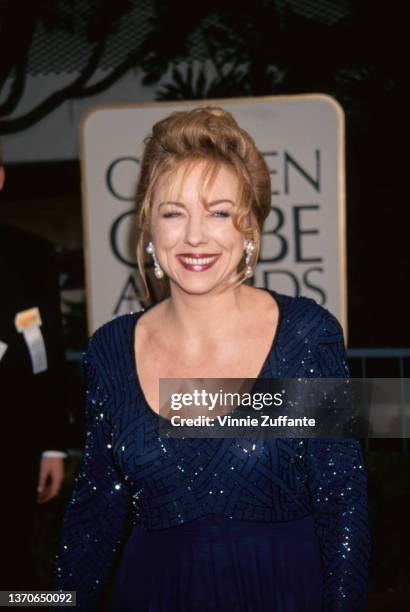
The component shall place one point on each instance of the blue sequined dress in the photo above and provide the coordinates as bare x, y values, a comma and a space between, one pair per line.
216, 524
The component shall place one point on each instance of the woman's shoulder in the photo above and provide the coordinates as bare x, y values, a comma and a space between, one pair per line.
111, 337
306, 313
301, 305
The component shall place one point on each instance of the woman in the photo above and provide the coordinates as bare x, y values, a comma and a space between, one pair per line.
218, 524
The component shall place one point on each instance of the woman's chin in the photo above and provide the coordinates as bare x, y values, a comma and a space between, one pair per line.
199, 286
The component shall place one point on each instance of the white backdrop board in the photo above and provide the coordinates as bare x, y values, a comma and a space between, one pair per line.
303, 246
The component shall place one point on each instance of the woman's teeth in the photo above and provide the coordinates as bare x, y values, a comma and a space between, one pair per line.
198, 261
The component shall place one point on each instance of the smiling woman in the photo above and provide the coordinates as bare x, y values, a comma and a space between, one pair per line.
204, 227
247, 525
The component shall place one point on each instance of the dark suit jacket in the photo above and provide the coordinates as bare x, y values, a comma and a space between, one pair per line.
32, 405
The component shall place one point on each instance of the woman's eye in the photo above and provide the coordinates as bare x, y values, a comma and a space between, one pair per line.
169, 215
220, 213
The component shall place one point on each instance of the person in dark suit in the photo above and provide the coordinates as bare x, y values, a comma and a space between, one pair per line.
31, 373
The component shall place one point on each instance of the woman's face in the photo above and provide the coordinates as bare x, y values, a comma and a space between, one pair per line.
198, 249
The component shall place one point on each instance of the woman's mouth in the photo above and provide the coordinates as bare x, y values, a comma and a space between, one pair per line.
197, 262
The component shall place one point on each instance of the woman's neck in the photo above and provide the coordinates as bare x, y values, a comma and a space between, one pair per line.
205, 317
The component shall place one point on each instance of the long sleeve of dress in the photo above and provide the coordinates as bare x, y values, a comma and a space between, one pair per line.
95, 517
338, 488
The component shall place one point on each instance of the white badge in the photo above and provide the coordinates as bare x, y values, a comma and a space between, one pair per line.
28, 323
3, 349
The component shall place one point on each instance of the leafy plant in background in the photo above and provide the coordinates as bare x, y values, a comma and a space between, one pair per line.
252, 48
192, 82
258, 48
92, 20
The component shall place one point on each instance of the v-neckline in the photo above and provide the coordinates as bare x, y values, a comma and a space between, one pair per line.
134, 360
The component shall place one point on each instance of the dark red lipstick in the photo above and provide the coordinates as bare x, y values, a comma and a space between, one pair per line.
198, 262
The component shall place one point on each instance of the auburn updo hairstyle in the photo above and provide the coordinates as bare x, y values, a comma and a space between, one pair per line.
211, 136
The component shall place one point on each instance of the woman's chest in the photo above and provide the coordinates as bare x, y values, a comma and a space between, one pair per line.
155, 466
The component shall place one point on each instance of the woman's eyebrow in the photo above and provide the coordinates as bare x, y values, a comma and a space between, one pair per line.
171, 202
213, 203
222, 201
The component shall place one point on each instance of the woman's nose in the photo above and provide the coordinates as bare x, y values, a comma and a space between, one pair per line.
196, 231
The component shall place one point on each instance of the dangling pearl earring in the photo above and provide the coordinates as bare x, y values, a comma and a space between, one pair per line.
158, 271
250, 247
